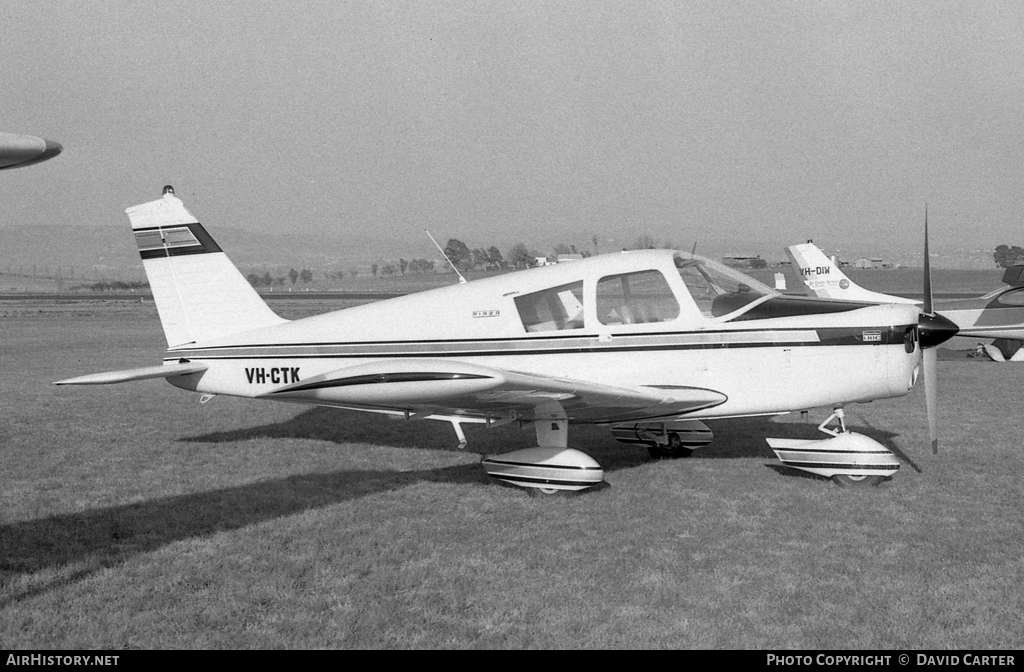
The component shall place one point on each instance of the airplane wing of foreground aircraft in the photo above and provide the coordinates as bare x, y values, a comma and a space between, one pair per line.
648, 343
998, 314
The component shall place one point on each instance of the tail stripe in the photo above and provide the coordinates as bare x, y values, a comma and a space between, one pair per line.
159, 242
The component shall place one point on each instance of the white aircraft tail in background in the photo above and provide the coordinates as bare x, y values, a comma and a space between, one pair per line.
198, 292
822, 276
998, 314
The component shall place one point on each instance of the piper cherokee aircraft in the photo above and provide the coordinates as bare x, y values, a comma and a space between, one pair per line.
18, 151
648, 343
998, 314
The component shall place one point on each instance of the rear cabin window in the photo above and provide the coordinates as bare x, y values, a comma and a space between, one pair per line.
552, 309
635, 298
1014, 298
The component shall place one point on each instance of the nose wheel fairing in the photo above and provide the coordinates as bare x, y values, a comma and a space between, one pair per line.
849, 454
847, 457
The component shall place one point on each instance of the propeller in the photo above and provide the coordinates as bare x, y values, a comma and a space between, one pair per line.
934, 329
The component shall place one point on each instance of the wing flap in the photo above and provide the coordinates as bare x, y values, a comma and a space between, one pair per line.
464, 389
127, 375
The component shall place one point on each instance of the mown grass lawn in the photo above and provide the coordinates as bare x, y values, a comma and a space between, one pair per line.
131, 516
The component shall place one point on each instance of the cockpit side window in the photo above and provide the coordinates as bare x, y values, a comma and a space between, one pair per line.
553, 309
635, 298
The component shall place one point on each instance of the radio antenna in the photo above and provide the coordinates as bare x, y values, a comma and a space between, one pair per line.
461, 279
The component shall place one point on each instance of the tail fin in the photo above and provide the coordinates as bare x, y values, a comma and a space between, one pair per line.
198, 292
823, 277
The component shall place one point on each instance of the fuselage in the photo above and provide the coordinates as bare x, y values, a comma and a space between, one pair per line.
653, 318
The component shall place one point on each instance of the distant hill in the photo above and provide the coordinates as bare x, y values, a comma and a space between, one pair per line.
95, 251
91, 250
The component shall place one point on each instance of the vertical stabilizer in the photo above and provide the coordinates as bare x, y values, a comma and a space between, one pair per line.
198, 292
822, 276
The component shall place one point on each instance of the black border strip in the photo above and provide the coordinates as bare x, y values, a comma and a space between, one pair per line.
837, 465
382, 378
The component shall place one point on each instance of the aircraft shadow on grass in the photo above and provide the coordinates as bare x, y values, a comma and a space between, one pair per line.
77, 545
65, 549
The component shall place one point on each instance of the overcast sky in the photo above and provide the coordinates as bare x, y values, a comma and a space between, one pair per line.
502, 121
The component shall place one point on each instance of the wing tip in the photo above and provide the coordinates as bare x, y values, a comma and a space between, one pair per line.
129, 375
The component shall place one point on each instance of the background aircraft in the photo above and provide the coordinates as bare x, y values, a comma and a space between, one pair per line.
18, 151
648, 343
998, 314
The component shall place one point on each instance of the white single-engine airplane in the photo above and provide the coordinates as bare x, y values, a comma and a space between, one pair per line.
998, 314
648, 343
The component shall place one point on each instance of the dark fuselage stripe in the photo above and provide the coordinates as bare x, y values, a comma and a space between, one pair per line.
552, 345
258, 352
828, 332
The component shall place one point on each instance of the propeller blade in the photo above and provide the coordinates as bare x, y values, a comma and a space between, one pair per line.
930, 361
929, 356
927, 307
933, 330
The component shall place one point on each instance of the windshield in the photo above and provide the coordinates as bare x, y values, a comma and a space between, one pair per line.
717, 289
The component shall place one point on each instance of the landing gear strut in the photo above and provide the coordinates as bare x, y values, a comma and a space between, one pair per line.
675, 438
671, 448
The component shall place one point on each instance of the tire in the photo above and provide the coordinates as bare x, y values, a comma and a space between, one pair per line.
850, 481
672, 450
543, 492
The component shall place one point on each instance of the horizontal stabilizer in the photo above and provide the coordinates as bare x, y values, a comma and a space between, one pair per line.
109, 377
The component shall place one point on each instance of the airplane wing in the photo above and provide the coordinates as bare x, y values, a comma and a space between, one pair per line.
18, 151
432, 388
146, 372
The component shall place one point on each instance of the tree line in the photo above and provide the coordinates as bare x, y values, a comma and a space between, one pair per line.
490, 258
461, 256
1007, 256
116, 285
267, 280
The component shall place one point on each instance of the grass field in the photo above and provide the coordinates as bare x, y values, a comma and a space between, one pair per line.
131, 516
